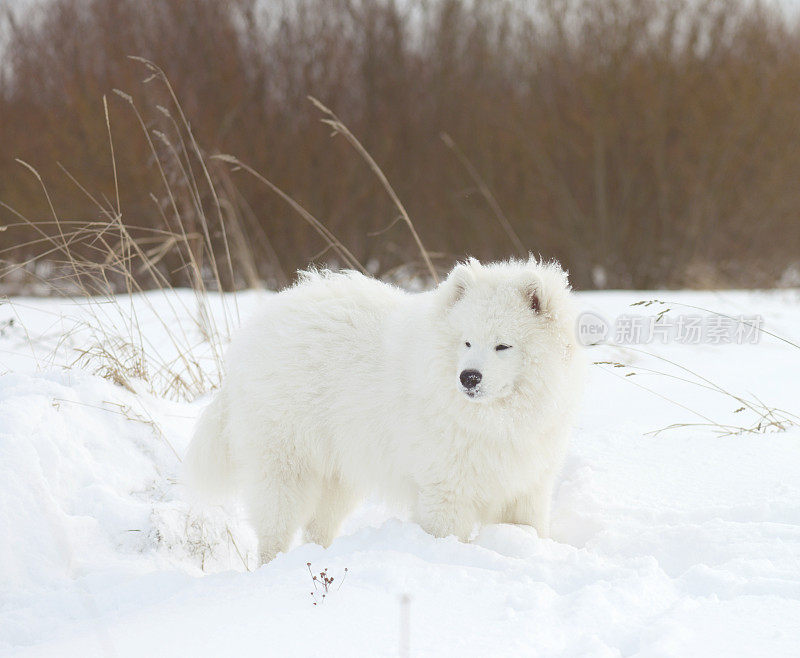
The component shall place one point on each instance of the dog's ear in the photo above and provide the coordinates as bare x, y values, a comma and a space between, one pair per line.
544, 285
455, 286
530, 286
532, 294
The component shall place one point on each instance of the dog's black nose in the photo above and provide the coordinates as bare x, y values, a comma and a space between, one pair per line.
470, 378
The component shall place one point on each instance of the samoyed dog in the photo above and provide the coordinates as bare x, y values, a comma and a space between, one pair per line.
455, 403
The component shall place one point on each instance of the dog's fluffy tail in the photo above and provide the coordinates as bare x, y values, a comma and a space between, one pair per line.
207, 467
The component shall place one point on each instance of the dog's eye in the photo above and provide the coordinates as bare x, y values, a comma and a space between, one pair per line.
500, 348
467, 344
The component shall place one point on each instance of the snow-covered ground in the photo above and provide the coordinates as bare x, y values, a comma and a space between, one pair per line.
684, 542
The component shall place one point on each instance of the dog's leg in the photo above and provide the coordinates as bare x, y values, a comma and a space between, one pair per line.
278, 502
335, 502
532, 507
442, 513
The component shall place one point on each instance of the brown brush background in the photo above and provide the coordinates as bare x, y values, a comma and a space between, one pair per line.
644, 143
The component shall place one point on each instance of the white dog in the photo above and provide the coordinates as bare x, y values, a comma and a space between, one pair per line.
455, 403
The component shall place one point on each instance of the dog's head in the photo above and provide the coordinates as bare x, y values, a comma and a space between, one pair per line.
508, 324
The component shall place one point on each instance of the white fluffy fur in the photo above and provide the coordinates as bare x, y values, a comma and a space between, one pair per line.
344, 386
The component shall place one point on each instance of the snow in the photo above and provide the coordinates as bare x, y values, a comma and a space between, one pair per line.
684, 542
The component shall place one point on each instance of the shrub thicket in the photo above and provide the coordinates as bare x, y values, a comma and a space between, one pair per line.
643, 142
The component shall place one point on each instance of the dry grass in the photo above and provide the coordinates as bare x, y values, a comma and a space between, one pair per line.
323, 584
757, 417
96, 259
106, 266
761, 418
